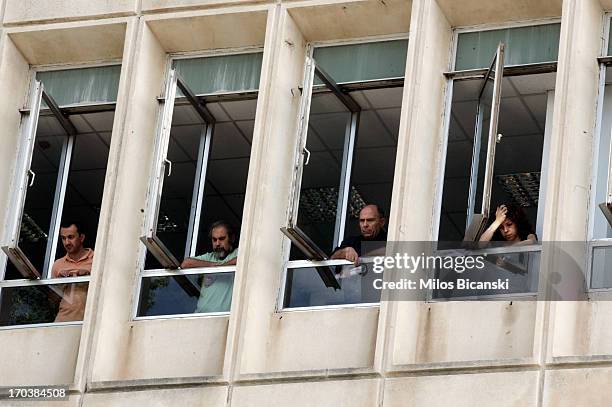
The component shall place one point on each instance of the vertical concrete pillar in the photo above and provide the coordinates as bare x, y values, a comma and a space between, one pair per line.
129, 165
419, 154
267, 196
569, 173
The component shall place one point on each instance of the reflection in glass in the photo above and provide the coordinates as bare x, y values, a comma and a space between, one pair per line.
186, 294
601, 277
305, 288
521, 270
38, 304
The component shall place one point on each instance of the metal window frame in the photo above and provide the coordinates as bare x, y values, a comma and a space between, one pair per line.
476, 223
532, 248
26, 152
161, 163
305, 244
302, 155
150, 240
22, 180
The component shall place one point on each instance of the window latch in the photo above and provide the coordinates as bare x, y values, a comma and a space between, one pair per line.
307, 155
169, 163
498, 138
33, 175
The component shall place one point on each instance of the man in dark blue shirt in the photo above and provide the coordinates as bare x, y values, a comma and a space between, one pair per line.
371, 223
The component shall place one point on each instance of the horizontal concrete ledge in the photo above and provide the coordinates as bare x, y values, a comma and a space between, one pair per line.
84, 19
562, 362
305, 376
144, 384
474, 366
242, 4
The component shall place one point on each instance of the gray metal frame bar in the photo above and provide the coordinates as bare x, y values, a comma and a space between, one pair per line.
58, 204
25, 159
198, 190
61, 117
195, 102
488, 181
606, 207
346, 99
516, 70
345, 177
296, 182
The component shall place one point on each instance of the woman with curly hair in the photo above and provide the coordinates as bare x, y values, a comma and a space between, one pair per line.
510, 224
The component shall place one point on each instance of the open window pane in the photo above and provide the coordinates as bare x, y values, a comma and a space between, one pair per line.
49, 146
208, 293
43, 304
483, 151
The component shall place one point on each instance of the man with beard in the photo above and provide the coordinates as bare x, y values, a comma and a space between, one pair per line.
76, 262
216, 291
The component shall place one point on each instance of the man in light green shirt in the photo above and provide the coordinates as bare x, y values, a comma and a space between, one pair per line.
216, 291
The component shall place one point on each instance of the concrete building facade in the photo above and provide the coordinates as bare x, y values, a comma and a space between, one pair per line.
251, 131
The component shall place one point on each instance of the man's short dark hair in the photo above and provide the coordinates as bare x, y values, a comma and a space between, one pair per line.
231, 233
381, 212
66, 223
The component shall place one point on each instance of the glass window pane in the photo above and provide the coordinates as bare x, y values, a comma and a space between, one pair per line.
223, 74
363, 62
43, 304
601, 277
179, 294
83, 85
524, 45
306, 289
49, 145
520, 269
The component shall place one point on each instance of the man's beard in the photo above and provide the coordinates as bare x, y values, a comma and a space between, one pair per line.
221, 252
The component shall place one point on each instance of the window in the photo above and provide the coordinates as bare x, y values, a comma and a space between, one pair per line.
200, 173
59, 178
496, 150
600, 248
350, 121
